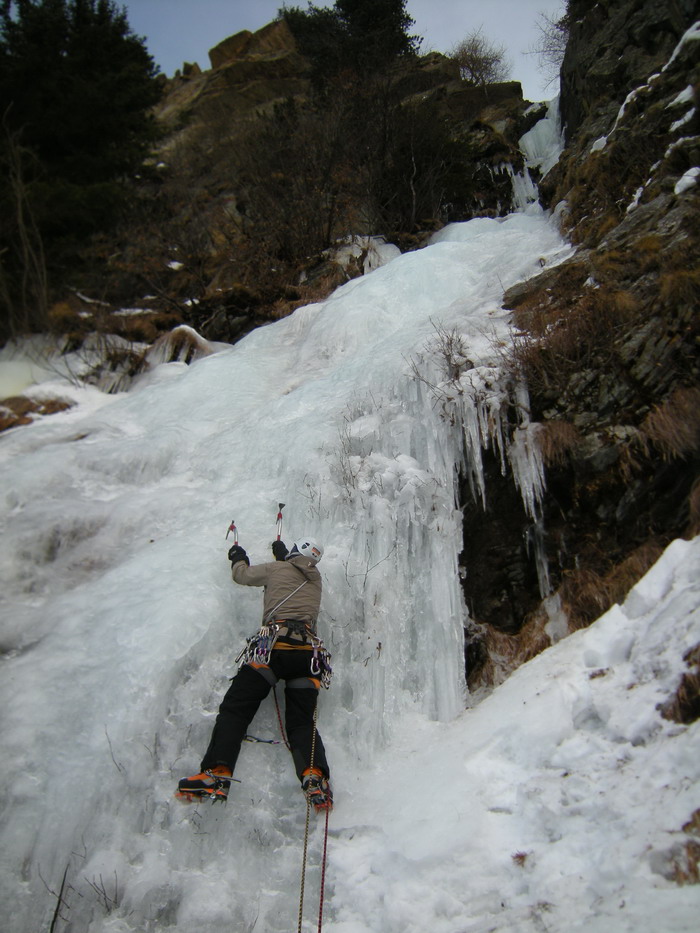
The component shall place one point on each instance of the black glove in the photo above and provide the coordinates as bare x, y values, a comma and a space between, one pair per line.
279, 549
236, 554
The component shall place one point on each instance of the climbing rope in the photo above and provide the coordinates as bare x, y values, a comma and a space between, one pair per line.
306, 846
279, 720
306, 828
323, 873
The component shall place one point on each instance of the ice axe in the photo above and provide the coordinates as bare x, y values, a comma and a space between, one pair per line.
279, 520
232, 528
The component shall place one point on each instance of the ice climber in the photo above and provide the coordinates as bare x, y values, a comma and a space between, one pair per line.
286, 648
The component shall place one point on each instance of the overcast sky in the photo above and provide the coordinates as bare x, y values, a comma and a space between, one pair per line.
178, 31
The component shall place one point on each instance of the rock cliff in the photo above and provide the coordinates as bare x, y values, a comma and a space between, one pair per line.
608, 341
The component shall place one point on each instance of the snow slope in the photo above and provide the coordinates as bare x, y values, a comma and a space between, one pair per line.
121, 625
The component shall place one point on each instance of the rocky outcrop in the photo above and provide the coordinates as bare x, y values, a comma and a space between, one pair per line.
630, 109
612, 46
250, 72
272, 40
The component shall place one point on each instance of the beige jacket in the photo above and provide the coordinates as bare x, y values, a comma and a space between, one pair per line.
280, 579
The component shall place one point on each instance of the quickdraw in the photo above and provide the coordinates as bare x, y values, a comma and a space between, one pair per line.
321, 665
259, 647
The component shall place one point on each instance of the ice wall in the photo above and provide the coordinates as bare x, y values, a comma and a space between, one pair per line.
120, 622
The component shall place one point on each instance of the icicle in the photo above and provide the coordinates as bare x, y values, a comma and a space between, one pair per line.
524, 189
534, 543
528, 468
182, 344
541, 146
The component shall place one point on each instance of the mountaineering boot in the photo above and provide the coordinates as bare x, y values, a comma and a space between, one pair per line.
213, 784
317, 790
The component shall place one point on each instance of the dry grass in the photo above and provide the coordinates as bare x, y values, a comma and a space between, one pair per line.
684, 705
587, 593
19, 410
320, 288
504, 653
556, 440
680, 286
673, 427
694, 509
692, 827
613, 265
686, 863
687, 866
544, 303
561, 343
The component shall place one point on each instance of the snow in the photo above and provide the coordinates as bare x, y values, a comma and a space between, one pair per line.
692, 34
683, 97
556, 803
687, 180
686, 118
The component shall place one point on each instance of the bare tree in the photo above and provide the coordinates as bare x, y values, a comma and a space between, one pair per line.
480, 60
551, 44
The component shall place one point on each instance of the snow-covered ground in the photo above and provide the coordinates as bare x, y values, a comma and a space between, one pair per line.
555, 804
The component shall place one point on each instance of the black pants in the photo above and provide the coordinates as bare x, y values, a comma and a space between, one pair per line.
248, 689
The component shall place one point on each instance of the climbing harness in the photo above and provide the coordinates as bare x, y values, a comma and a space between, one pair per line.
258, 648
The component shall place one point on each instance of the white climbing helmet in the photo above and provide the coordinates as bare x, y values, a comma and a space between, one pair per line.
307, 547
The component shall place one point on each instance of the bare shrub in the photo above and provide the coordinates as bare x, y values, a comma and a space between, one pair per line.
451, 350
673, 427
551, 44
481, 61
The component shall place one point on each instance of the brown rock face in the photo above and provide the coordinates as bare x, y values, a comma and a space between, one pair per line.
273, 39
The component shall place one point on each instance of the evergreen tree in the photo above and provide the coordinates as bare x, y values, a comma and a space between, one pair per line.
354, 35
78, 83
377, 30
76, 88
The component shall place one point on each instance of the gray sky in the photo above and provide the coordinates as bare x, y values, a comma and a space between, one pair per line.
177, 31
